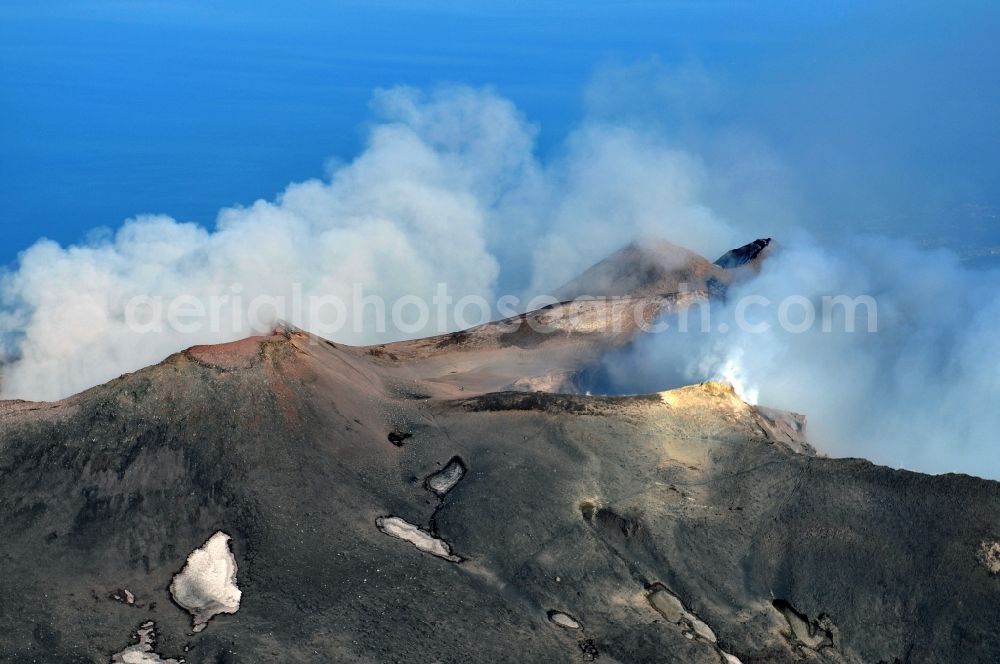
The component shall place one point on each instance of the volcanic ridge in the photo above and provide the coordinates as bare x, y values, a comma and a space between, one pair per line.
285, 498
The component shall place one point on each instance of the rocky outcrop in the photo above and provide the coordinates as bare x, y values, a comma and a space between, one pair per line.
743, 255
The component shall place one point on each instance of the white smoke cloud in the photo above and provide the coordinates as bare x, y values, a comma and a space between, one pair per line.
409, 212
617, 183
448, 188
919, 393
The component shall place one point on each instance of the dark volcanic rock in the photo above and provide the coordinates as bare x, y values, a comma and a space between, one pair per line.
685, 526
397, 438
580, 508
742, 255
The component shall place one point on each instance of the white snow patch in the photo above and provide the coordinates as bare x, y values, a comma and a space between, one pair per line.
142, 652
701, 628
730, 659
206, 586
124, 596
396, 527
445, 479
672, 608
563, 620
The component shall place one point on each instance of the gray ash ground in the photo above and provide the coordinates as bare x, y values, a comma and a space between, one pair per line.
673, 527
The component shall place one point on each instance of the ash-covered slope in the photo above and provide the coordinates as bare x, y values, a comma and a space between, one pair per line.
602, 309
379, 514
647, 267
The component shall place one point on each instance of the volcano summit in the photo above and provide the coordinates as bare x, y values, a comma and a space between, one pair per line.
452, 499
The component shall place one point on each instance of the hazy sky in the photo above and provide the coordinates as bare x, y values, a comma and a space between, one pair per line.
884, 113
